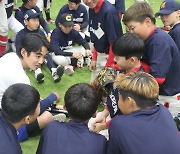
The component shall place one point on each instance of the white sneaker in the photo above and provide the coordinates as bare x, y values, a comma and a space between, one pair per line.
80, 62
60, 117
39, 75
69, 70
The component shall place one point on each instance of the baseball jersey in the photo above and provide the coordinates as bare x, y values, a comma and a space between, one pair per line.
22, 33
162, 56
61, 41
145, 131
70, 138
9, 142
119, 5
80, 16
9, 7
174, 33
104, 27
113, 98
19, 15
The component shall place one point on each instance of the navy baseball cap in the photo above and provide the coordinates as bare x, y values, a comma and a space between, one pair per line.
168, 7
66, 20
31, 14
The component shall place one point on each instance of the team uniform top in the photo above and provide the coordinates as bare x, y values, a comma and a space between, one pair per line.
113, 98
17, 74
174, 33
20, 17
9, 142
112, 103
104, 27
80, 16
9, 7
146, 131
119, 5
22, 33
61, 41
162, 56
70, 138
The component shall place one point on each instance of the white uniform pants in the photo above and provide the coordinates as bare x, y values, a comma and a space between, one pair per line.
174, 103
66, 60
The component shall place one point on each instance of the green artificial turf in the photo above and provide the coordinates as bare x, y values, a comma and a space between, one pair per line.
80, 75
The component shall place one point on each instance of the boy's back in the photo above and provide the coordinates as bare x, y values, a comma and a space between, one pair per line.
161, 53
150, 131
71, 138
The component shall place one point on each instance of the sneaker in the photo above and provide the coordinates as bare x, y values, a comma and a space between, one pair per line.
80, 62
69, 70
57, 73
60, 70
88, 61
50, 21
60, 117
39, 75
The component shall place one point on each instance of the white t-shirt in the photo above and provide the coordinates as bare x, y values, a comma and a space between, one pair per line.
11, 72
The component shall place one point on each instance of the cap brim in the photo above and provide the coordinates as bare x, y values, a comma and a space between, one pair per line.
68, 24
161, 12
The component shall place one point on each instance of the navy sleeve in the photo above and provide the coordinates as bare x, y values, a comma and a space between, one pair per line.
55, 44
18, 40
120, 6
113, 27
85, 19
20, 17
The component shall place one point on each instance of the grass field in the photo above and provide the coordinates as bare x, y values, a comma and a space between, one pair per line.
80, 75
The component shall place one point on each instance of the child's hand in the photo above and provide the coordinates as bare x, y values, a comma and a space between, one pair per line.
58, 96
77, 27
99, 126
92, 66
100, 119
49, 37
88, 53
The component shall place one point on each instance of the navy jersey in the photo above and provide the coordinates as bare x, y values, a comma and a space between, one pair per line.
113, 98
61, 41
112, 103
104, 27
70, 138
80, 16
162, 55
22, 33
9, 7
119, 5
175, 34
8, 138
146, 131
19, 15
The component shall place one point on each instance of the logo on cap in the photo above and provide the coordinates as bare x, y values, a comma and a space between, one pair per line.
68, 18
163, 5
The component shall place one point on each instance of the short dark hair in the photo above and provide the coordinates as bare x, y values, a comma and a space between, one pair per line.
140, 86
128, 45
18, 101
75, 1
81, 101
32, 42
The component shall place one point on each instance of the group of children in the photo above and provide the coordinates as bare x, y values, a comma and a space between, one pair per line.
148, 61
